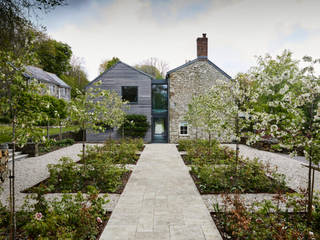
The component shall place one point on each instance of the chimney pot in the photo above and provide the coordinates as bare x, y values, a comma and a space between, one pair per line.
202, 46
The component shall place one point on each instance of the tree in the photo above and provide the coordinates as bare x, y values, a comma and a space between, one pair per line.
149, 69
15, 20
106, 64
76, 77
54, 56
20, 97
95, 106
155, 67
292, 112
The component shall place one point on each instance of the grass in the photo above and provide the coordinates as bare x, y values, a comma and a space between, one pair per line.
6, 132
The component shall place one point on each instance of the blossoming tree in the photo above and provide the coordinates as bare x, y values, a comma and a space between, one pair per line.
95, 106
286, 107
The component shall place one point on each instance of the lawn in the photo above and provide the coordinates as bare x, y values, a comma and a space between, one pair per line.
6, 131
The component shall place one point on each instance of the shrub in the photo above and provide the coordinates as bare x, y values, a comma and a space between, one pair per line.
68, 218
134, 126
68, 176
266, 220
199, 152
251, 178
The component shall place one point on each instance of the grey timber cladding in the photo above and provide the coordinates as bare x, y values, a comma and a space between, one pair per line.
114, 78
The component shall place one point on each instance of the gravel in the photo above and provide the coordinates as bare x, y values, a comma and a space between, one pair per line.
296, 174
30, 171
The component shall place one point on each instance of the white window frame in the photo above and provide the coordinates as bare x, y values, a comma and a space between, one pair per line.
183, 124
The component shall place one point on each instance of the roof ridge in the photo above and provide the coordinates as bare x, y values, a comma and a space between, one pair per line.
109, 69
199, 59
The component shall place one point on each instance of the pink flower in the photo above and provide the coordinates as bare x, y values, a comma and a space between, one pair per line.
38, 216
99, 220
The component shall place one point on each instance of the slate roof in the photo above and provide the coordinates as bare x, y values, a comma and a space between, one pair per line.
151, 77
41, 75
199, 59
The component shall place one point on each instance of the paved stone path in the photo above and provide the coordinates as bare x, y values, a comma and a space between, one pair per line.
160, 202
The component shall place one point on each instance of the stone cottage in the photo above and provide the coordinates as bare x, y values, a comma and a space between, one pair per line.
56, 87
164, 101
191, 78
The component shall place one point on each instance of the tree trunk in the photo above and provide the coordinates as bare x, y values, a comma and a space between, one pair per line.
12, 176
47, 130
60, 131
310, 193
310, 187
83, 147
210, 144
237, 143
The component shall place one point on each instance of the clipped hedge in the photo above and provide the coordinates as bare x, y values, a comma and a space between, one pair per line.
135, 126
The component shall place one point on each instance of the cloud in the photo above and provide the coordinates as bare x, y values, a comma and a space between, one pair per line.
134, 30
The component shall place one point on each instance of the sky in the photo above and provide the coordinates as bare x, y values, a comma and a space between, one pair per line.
134, 30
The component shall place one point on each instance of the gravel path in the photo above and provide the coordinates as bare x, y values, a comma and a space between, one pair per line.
296, 174
32, 170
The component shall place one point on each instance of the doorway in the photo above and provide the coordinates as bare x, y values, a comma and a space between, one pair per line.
159, 130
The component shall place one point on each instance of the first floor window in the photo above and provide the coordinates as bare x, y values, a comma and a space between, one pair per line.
183, 128
130, 94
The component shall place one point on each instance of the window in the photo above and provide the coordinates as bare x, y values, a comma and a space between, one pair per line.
160, 98
183, 128
130, 94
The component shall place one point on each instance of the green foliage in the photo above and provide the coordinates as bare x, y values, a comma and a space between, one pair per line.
55, 110
70, 217
106, 64
200, 152
54, 56
17, 30
214, 170
135, 126
266, 220
68, 176
19, 98
251, 178
52, 144
122, 152
149, 69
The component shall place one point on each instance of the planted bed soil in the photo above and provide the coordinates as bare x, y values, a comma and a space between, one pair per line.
124, 180
229, 235
22, 220
224, 191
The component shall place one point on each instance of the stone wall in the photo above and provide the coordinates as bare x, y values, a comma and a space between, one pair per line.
190, 80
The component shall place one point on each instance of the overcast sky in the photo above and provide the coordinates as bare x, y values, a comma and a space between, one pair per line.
134, 30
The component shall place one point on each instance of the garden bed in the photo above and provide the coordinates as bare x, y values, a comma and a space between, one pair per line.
53, 145
71, 217
215, 170
283, 218
58, 189
229, 186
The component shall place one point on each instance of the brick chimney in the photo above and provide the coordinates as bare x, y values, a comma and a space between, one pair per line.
202, 46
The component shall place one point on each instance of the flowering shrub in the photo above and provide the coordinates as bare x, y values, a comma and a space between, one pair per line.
266, 220
71, 217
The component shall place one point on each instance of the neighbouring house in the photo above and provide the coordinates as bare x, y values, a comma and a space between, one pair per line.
164, 102
55, 86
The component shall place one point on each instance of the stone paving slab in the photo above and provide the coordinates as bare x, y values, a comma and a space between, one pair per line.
160, 201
